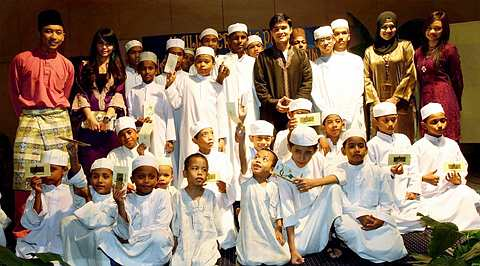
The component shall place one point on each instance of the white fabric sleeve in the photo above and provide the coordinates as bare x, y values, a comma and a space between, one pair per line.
31, 219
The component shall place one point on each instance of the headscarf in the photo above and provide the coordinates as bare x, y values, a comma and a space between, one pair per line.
382, 46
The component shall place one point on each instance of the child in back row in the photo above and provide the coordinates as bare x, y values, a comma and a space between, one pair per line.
332, 126
165, 175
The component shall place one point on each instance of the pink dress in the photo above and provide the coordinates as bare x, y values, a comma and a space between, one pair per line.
442, 84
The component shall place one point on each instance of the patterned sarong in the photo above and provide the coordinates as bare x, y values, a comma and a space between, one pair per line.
38, 130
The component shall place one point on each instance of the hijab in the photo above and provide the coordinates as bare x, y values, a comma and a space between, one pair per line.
382, 46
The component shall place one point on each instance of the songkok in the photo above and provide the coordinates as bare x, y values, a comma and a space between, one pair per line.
133, 43
208, 31
165, 161
102, 163
145, 160
261, 128
328, 112
175, 42
298, 32
300, 104
148, 56
254, 39
123, 123
354, 132
430, 109
322, 32
304, 136
49, 17
198, 126
189, 51
56, 157
384, 108
339, 23
205, 50
237, 27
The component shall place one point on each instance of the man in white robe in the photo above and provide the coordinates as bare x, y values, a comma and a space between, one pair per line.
133, 49
324, 41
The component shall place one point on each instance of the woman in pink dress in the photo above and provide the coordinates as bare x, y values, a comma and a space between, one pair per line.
439, 73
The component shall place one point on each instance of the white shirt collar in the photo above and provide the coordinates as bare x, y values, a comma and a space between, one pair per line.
434, 140
385, 137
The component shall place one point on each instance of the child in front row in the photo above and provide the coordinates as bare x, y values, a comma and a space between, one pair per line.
445, 195
366, 225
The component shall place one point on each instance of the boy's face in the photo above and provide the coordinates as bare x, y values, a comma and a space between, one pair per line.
128, 137
133, 56
281, 32
300, 42
386, 124
262, 164
255, 49
178, 52
56, 174
101, 180
332, 125
165, 175
51, 37
237, 41
204, 139
204, 64
301, 155
342, 37
355, 149
147, 70
261, 142
187, 62
435, 124
325, 44
210, 41
145, 179
197, 172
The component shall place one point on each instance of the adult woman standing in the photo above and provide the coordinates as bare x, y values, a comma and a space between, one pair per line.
100, 100
439, 72
390, 73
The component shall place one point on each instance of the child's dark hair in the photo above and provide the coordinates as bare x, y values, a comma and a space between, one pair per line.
188, 160
279, 17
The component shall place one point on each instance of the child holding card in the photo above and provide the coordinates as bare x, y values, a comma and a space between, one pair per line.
445, 195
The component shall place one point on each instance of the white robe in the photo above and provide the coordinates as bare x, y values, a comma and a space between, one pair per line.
132, 79
320, 76
150, 239
280, 146
4, 222
446, 202
335, 155
123, 156
367, 192
260, 208
312, 212
197, 225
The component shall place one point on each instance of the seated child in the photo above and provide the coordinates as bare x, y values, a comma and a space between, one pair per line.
141, 234
366, 225
4, 222
332, 126
404, 181
165, 175
445, 195
309, 194
197, 221
49, 202
78, 230
260, 239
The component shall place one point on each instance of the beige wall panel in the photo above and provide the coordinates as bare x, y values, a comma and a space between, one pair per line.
195, 15
254, 13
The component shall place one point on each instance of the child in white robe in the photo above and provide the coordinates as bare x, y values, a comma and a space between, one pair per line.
165, 175
197, 221
4, 222
78, 231
445, 195
260, 239
49, 202
141, 234
405, 181
309, 194
366, 225
332, 126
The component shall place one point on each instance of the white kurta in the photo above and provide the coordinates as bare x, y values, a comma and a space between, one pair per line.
4, 222
367, 192
196, 224
405, 211
163, 123
280, 146
446, 202
335, 155
132, 79
150, 239
198, 98
312, 212
123, 156
260, 208
320, 76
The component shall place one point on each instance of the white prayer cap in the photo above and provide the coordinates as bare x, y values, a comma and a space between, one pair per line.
261, 128
237, 27
208, 31
339, 23
205, 50
304, 136
198, 126
56, 157
123, 123
175, 42
430, 109
354, 132
253, 39
102, 163
322, 32
165, 161
331, 111
145, 160
300, 104
148, 56
133, 43
189, 51
384, 108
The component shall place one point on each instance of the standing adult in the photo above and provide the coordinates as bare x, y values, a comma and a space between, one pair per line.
439, 72
40, 82
281, 73
101, 97
390, 74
